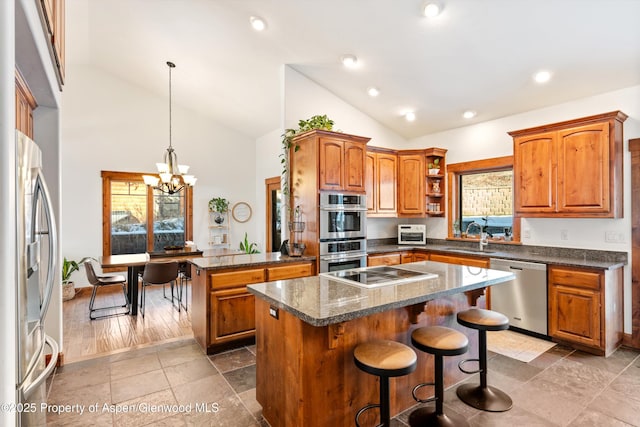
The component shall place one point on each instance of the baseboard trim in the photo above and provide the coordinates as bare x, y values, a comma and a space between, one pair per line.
60, 361
628, 341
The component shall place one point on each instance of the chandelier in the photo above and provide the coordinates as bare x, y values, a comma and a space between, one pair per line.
172, 177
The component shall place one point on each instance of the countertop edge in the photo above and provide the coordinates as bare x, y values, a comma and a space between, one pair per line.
325, 321
516, 255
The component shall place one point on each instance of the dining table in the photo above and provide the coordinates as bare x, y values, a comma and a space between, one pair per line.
134, 263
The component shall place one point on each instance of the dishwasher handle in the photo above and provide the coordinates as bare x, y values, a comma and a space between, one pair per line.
507, 265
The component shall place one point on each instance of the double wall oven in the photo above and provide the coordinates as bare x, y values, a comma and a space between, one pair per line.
343, 231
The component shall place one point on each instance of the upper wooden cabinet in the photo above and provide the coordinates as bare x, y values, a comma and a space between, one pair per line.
338, 160
570, 169
25, 104
54, 11
435, 182
381, 180
411, 173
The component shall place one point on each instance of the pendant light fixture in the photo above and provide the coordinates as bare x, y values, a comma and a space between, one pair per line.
172, 177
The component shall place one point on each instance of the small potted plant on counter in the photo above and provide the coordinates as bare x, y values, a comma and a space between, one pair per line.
248, 248
68, 267
218, 205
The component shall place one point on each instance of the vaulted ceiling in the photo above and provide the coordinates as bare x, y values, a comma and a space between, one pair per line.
476, 55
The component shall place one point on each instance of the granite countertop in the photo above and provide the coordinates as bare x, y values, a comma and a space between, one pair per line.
541, 254
243, 260
321, 301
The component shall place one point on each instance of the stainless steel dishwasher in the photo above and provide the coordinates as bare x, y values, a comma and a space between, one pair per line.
523, 300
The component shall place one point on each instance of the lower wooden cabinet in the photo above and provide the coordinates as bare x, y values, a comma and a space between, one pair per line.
585, 308
461, 260
223, 310
384, 259
419, 256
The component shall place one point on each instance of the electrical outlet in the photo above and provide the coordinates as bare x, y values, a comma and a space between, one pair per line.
564, 234
613, 237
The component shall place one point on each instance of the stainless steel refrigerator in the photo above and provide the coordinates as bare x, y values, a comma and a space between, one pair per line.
36, 255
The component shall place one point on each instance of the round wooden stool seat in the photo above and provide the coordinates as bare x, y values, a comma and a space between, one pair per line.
385, 358
484, 320
440, 340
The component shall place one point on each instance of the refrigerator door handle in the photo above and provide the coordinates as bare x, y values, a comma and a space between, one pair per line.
26, 391
41, 187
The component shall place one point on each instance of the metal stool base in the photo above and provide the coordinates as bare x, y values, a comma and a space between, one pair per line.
487, 399
427, 417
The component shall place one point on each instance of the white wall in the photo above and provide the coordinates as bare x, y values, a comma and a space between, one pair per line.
109, 124
268, 148
304, 99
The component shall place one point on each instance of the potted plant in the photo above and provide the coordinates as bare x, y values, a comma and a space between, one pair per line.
434, 167
68, 267
315, 122
248, 248
218, 205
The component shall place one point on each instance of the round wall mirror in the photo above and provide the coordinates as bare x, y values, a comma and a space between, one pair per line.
241, 212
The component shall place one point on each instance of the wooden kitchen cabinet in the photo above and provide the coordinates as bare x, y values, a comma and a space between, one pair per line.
570, 169
471, 261
223, 310
54, 17
25, 104
435, 181
411, 172
290, 271
585, 308
381, 181
394, 258
420, 256
342, 164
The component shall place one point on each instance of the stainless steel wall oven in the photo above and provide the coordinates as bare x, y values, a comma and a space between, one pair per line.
343, 216
343, 231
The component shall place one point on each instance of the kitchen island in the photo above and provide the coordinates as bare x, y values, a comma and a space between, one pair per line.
306, 330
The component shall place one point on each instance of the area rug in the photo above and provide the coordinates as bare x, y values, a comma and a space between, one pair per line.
517, 346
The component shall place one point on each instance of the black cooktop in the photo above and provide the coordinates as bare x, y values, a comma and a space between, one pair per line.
377, 276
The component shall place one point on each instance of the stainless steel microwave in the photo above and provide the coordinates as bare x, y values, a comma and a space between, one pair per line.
412, 234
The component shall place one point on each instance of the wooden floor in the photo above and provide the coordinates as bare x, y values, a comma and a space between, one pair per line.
86, 339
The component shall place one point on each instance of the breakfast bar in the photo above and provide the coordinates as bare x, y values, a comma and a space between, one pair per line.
307, 328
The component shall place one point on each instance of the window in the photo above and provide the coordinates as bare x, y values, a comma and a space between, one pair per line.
481, 198
129, 206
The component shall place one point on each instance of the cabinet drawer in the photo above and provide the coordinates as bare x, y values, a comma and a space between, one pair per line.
461, 260
389, 259
289, 272
575, 278
236, 278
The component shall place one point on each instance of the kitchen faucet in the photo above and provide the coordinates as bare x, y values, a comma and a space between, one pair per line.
484, 240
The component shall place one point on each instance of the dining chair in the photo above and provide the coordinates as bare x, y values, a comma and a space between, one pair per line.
158, 273
98, 281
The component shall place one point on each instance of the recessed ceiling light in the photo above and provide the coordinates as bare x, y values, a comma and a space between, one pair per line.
431, 10
257, 23
410, 116
349, 61
373, 92
542, 76
469, 114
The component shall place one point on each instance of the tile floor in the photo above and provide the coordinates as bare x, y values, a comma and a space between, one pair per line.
561, 387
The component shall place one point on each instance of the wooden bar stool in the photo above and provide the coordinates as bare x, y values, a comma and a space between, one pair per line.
483, 396
385, 359
439, 341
